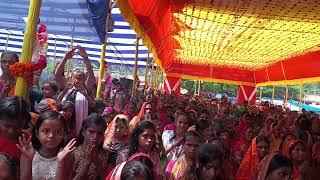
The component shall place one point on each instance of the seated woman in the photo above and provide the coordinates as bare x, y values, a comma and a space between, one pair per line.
296, 151
259, 148
275, 166
116, 139
7, 82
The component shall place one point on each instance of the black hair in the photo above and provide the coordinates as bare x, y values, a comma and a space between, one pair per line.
135, 168
134, 136
192, 134
92, 119
204, 111
65, 104
48, 115
122, 120
13, 109
202, 125
9, 162
100, 104
10, 53
277, 162
52, 84
206, 154
181, 114
262, 138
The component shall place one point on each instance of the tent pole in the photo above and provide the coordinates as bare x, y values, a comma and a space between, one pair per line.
28, 41
152, 74
300, 97
261, 89
69, 61
156, 79
146, 75
286, 97
103, 53
7, 42
273, 92
135, 73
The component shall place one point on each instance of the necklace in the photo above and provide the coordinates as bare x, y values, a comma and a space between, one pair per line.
48, 156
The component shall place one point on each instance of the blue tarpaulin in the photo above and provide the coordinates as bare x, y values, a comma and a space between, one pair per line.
73, 18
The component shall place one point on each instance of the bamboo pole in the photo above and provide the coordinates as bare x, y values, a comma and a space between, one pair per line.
103, 53
286, 97
146, 75
156, 79
152, 74
273, 92
261, 89
69, 61
28, 41
135, 78
300, 97
7, 42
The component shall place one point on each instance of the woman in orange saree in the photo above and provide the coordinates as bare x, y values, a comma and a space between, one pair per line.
146, 108
259, 148
116, 137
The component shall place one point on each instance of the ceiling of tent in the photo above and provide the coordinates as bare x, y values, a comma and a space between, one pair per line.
251, 42
67, 18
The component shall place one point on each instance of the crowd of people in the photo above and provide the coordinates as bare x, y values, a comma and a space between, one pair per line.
60, 131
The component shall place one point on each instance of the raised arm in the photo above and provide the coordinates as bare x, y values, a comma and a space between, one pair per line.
59, 73
90, 79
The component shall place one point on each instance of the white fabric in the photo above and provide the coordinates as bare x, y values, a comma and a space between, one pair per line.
43, 168
81, 108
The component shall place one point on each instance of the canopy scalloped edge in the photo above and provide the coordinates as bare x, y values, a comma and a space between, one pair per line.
290, 82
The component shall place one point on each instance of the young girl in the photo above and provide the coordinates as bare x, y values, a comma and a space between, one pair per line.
116, 138
66, 108
142, 141
49, 90
90, 159
41, 159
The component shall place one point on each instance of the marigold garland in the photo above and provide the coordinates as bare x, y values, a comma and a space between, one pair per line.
26, 70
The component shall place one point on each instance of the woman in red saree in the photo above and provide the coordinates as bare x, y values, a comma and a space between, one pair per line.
296, 151
258, 149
